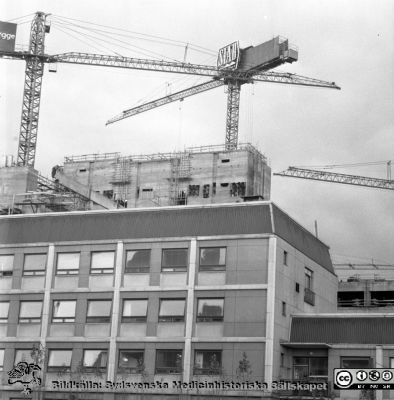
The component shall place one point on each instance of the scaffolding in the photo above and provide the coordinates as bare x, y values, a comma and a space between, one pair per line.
121, 179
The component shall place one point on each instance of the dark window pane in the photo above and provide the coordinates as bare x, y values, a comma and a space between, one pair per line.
308, 279
207, 362
212, 258
318, 366
356, 363
210, 310
168, 361
300, 361
300, 372
131, 361
174, 259
138, 261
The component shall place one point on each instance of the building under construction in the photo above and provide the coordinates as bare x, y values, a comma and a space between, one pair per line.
203, 175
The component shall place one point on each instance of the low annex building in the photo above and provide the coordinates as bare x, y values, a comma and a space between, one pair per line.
187, 294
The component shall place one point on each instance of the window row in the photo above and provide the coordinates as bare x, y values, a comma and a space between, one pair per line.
103, 262
133, 310
206, 362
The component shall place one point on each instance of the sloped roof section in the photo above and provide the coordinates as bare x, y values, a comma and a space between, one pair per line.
292, 232
136, 224
230, 219
331, 330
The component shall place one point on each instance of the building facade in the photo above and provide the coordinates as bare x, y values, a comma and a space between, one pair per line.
178, 294
201, 175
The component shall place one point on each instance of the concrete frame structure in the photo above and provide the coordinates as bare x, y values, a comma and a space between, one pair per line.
198, 175
267, 254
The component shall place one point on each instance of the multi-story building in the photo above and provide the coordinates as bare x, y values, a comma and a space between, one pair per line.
170, 294
199, 175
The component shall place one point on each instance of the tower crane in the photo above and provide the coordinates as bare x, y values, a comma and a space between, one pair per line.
235, 67
325, 176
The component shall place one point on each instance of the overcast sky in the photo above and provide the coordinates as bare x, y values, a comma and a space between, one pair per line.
349, 42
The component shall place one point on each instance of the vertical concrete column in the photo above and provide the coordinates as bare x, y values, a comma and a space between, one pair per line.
270, 318
47, 292
115, 312
379, 364
189, 311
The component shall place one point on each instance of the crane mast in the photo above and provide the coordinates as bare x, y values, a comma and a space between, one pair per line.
32, 92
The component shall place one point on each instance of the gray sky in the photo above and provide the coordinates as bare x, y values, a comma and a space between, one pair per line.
349, 42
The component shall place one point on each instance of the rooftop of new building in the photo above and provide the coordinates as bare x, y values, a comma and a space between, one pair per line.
163, 156
259, 217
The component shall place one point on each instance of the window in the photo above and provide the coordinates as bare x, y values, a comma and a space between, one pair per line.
63, 311
174, 260
168, 361
134, 310
309, 295
172, 310
95, 360
207, 362
99, 311
213, 188
237, 189
356, 362
6, 264
210, 310
308, 278
59, 360
205, 191
283, 308
30, 312
212, 259
103, 262
282, 359
194, 190
131, 361
285, 254
1, 359
34, 264
4, 307
67, 263
137, 261
306, 367
297, 287
23, 355
391, 362
225, 160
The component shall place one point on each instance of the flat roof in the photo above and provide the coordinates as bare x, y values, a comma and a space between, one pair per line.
261, 217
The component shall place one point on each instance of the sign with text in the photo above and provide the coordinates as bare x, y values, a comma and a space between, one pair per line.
364, 378
7, 36
228, 57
